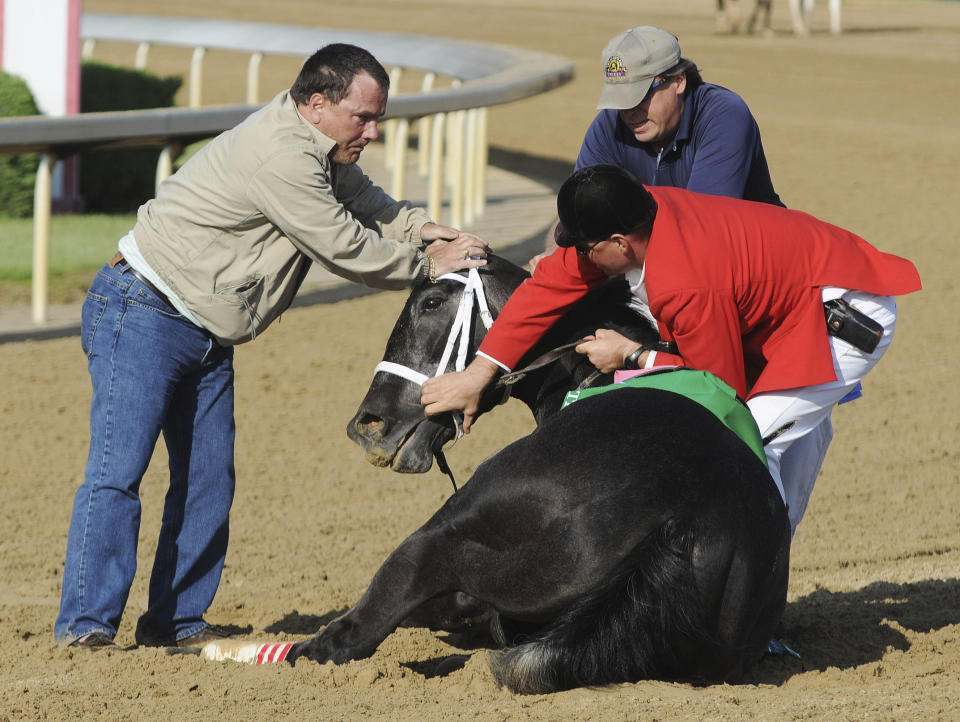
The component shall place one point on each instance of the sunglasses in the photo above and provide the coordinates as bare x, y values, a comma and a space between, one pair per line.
584, 250
656, 84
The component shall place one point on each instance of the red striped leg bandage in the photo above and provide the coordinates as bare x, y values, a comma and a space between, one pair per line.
246, 652
269, 653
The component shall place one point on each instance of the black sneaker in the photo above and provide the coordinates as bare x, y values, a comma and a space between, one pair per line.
92, 641
210, 633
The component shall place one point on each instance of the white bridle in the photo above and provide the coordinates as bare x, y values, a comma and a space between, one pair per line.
472, 291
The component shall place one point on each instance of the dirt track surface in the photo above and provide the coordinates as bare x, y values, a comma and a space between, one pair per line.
860, 130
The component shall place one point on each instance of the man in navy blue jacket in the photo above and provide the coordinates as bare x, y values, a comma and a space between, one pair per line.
661, 122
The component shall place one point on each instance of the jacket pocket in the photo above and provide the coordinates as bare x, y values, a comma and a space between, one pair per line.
249, 294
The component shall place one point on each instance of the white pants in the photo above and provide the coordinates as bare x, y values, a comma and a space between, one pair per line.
795, 456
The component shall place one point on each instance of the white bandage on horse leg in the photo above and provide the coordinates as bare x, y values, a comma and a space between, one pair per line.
246, 652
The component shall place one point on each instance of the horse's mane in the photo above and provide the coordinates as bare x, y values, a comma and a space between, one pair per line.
606, 306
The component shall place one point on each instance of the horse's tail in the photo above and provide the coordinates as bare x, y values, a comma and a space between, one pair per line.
643, 621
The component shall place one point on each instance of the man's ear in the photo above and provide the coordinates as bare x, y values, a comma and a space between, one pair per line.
621, 240
315, 105
681, 84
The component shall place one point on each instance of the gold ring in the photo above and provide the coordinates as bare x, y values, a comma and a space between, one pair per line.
466, 253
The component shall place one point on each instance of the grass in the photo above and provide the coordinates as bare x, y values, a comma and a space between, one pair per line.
79, 245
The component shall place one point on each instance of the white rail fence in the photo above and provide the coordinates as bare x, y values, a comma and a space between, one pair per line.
451, 138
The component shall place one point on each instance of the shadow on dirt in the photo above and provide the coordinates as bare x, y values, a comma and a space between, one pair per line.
828, 629
849, 629
296, 623
438, 666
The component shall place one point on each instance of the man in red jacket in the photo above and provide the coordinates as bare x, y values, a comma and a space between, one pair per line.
741, 287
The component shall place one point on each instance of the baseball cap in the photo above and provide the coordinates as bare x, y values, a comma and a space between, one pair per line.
597, 201
630, 63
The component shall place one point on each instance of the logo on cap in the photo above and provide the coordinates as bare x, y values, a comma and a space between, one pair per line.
615, 67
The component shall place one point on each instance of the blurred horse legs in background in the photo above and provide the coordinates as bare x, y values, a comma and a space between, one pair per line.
801, 13
732, 23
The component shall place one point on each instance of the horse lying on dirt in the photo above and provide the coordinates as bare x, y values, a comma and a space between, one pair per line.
630, 536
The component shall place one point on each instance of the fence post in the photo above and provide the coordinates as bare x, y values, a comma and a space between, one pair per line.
165, 163
41, 237
140, 60
451, 133
253, 78
401, 133
390, 126
423, 129
435, 180
455, 151
469, 166
483, 157
196, 77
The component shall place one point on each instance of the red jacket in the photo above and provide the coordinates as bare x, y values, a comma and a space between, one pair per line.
736, 284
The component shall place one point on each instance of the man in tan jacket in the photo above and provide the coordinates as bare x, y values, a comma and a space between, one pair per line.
211, 262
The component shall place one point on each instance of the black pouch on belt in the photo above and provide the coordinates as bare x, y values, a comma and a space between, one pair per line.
850, 325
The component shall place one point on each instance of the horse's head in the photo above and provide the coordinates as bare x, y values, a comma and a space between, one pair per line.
390, 425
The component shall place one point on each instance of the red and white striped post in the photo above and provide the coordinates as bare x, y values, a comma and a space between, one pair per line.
40, 42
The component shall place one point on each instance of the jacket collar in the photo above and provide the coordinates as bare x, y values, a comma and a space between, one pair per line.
326, 143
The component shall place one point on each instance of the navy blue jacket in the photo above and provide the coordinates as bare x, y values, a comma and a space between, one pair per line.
716, 150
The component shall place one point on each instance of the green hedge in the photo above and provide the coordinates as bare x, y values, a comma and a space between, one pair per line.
119, 181
18, 173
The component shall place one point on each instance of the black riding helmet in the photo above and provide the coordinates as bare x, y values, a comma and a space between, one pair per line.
599, 200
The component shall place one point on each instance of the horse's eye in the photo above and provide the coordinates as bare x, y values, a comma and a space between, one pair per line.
432, 303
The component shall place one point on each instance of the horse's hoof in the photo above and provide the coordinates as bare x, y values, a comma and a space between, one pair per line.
295, 653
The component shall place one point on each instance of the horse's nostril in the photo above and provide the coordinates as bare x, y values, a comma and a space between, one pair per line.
370, 425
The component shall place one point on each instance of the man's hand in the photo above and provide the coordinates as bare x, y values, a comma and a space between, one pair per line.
459, 391
453, 250
608, 350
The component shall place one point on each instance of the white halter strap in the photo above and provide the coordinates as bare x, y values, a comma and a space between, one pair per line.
472, 292
400, 370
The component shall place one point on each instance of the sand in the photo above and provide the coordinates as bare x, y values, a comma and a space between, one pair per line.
859, 130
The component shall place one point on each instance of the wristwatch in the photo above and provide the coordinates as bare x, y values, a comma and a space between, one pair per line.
632, 361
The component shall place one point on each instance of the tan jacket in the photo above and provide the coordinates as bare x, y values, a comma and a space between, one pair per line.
233, 232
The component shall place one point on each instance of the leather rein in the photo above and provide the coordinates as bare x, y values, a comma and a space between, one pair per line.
474, 294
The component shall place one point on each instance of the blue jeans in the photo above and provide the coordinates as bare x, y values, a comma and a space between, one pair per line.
152, 371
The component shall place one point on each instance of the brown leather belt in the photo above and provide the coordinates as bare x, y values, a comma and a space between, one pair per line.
118, 260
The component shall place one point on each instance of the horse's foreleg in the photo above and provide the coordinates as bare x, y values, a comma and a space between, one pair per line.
834, 7
397, 589
797, 17
761, 6
767, 24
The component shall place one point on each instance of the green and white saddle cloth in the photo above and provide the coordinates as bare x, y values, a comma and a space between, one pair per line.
700, 386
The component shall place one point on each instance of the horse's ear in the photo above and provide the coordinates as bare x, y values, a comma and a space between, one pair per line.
501, 278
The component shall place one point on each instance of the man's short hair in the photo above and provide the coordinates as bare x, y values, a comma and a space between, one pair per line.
688, 68
599, 200
330, 71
